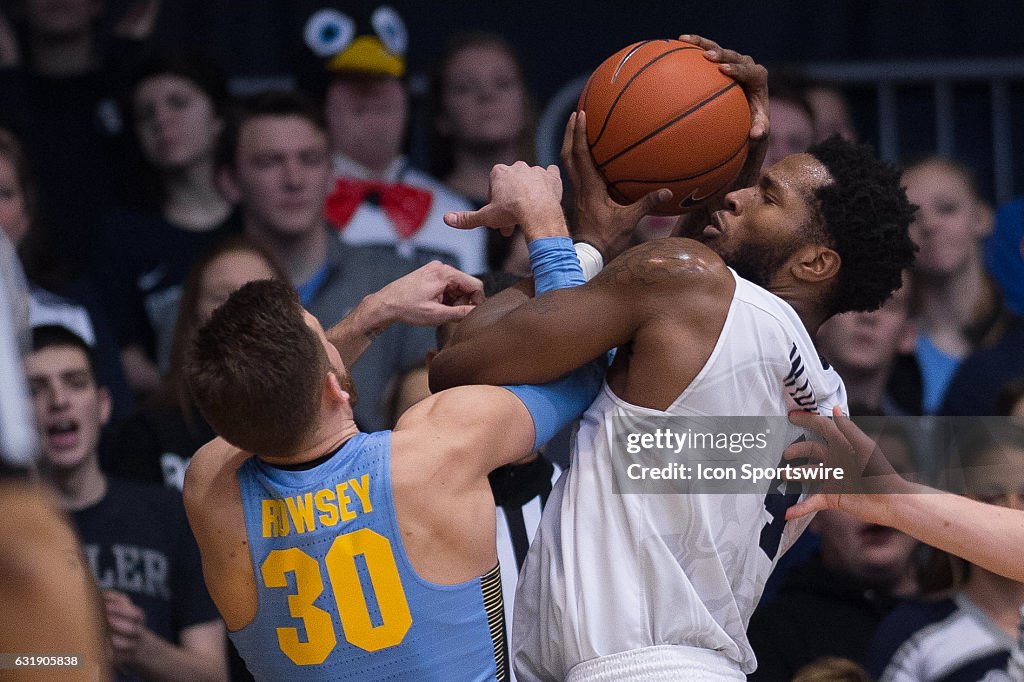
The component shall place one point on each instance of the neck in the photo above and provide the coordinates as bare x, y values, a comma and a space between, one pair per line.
948, 302
80, 487
810, 312
375, 169
62, 56
329, 436
192, 201
1000, 598
300, 255
470, 175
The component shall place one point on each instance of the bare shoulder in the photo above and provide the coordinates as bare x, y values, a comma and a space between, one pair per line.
460, 406
210, 466
667, 263
461, 434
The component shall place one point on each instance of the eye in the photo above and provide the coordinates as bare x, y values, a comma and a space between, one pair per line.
328, 32
390, 28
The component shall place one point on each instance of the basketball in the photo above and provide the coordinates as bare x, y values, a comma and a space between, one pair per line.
659, 114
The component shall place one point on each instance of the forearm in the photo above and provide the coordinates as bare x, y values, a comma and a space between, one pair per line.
357, 330
987, 535
162, 661
487, 352
504, 302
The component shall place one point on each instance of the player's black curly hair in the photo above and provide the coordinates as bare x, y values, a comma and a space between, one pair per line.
865, 215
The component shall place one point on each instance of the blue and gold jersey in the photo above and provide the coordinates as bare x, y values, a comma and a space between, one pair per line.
338, 596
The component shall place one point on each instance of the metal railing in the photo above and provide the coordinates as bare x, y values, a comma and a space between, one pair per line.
887, 78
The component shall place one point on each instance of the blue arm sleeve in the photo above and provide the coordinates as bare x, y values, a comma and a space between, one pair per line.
555, 265
557, 404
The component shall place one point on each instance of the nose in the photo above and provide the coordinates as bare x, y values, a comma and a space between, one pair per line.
57, 396
925, 222
293, 173
734, 200
161, 115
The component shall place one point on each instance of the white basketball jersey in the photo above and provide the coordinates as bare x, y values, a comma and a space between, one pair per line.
613, 572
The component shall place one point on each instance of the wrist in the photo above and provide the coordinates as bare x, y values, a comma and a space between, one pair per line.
543, 224
150, 647
374, 314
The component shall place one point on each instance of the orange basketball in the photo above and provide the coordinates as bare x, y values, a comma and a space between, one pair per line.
659, 114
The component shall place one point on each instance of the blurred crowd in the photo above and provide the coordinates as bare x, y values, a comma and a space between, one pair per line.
140, 194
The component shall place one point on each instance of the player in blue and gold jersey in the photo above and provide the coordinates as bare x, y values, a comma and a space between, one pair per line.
334, 554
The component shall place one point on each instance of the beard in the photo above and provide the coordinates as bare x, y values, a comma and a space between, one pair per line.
757, 261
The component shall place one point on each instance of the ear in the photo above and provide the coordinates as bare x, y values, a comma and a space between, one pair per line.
333, 392
815, 263
106, 404
227, 184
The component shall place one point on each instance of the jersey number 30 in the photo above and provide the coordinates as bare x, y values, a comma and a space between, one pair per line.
353, 609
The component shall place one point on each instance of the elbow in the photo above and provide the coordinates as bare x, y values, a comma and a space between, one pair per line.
444, 372
458, 365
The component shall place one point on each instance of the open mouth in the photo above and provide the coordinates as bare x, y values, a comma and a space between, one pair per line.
62, 434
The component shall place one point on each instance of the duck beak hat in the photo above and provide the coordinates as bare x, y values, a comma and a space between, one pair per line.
368, 43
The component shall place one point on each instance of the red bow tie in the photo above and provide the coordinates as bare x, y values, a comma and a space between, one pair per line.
406, 206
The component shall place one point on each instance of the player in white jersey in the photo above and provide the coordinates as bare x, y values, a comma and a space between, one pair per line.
662, 586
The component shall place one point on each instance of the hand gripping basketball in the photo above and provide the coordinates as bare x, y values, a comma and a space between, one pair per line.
660, 113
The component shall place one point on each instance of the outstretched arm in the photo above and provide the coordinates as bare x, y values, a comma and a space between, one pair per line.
552, 334
984, 534
485, 427
432, 295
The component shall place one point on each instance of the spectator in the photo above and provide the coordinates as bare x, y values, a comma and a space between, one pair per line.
275, 165
791, 116
79, 308
958, 308
832, 669
481, 114
863, 348
378, 197
157, 442
161, 620
177, 104
57, 94
968, 634
830, 112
